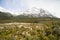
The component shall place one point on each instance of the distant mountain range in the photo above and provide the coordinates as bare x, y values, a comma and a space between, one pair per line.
30, 13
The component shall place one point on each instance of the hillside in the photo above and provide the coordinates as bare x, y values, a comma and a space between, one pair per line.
5, 16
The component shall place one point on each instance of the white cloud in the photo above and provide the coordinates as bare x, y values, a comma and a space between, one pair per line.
4, 10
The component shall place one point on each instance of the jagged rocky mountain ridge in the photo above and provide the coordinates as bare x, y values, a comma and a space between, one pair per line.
33, 12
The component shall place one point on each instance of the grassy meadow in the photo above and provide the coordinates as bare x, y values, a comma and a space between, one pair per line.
31, 29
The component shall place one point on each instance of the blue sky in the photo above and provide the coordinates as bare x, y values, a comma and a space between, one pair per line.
15, 5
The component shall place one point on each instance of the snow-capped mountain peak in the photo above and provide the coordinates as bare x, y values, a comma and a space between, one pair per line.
32, 10
38, 12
